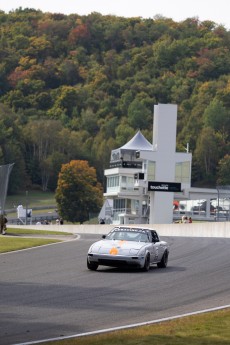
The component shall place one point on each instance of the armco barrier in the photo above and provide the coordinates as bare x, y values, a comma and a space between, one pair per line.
206, 229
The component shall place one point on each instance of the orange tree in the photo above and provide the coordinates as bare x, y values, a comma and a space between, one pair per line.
78, 193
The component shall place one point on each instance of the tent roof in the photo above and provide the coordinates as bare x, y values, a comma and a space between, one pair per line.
138, 142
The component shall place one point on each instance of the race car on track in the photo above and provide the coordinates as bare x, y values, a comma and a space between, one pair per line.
129, 246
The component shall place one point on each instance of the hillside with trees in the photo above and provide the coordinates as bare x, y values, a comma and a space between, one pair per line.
75, 87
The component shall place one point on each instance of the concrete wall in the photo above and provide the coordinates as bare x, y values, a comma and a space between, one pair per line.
212, 229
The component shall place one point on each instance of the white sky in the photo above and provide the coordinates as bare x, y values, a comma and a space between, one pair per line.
179, 10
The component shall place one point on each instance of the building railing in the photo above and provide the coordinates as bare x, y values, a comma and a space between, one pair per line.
126, 164
203, 215
123, 187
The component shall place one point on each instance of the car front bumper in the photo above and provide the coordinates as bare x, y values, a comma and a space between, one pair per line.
116, 261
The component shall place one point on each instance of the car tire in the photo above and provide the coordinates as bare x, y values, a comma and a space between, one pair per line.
92, 265
147, 263
164, 261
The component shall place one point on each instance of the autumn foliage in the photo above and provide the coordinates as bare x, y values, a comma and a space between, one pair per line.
78, 193
76, 87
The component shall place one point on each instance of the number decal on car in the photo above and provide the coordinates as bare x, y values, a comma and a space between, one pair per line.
113, 251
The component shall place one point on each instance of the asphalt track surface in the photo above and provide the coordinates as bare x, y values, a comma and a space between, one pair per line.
48, 292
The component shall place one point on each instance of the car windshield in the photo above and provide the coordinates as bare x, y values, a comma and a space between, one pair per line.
128, 235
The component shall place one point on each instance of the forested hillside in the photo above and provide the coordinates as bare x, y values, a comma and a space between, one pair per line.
76, 87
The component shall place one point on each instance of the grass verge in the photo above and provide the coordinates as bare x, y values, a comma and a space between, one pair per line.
16, 242
9, 244
203, 329
15, 231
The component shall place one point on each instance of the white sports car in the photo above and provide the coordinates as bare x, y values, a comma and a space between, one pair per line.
128, 246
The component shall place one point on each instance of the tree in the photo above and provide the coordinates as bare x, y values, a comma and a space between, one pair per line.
139, 115
216, 116
223, 171
123, 133
68, 99
206, 153
42, 140
11, 149
78, 191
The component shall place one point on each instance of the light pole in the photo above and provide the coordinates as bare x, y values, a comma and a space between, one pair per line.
218, 203
26, 205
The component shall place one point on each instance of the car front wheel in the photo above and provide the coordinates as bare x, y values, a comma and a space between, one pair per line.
92, 265
164, 261
147, 263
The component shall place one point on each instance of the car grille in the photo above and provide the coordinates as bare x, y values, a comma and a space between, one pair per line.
108, 262
114, 263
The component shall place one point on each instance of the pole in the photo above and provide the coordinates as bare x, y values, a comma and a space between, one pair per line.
26, 205
218, 204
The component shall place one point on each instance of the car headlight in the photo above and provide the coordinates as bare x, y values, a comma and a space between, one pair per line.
94, 248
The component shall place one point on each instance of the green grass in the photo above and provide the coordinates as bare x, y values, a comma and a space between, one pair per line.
16, 242
40, 202
32, 199
9, 244
15, 231
203, 329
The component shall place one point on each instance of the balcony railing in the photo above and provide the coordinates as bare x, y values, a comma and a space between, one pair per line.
126, 164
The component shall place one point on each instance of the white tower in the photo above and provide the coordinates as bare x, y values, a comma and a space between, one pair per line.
164, 145
165, 166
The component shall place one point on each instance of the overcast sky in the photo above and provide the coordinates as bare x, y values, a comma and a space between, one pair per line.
214, 10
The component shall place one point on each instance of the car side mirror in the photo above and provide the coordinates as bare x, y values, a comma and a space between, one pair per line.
103, 236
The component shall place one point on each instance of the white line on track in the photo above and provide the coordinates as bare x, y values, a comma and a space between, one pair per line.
125, 327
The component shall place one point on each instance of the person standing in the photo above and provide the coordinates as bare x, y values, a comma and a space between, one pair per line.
3, 221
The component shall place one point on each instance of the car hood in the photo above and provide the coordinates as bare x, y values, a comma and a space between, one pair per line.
117, 247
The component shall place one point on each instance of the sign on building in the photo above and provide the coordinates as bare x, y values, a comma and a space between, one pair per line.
154, 186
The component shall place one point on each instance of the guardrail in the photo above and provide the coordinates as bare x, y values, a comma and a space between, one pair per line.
32, 220
205, 229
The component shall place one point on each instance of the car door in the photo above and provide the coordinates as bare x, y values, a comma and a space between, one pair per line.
152, 248
156, 245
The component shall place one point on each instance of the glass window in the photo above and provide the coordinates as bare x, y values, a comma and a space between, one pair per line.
182, 173
113, 181
118, 204
151, 171
127, 182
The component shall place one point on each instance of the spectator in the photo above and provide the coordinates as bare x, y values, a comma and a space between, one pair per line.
3, 221
185, 219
